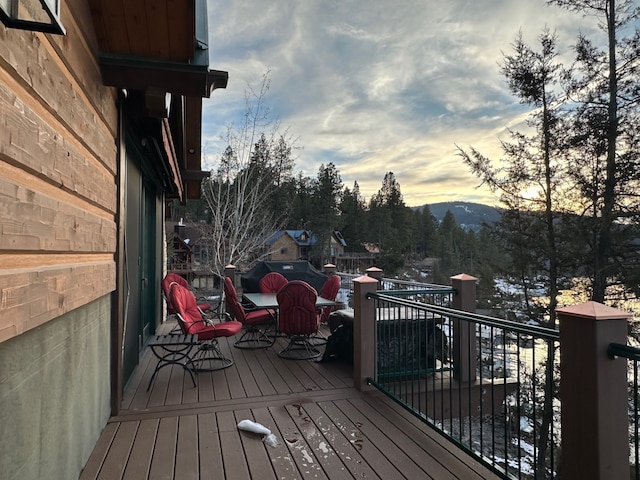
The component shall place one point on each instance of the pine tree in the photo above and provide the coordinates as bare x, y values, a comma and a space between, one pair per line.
325, 196
352, 218
604, 140
531, 186
390, 224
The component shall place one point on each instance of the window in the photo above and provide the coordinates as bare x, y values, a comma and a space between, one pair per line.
34, 15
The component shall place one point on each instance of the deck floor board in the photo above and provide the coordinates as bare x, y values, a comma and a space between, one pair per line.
211, 466
325, 427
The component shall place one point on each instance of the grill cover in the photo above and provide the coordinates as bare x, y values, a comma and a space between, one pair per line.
295, 270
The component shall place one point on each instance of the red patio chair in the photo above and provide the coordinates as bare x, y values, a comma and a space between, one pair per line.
330, 292
166, 284
208, 356
298, 319
260, 325
272, 282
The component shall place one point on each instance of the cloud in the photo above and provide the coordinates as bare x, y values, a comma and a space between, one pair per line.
390, 85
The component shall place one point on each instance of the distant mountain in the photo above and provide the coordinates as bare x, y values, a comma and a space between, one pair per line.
469, 215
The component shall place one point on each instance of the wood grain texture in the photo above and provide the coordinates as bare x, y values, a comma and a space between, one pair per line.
31, 143
78, 50
30, 297
46, 87
325, 428
58, 166
32, 221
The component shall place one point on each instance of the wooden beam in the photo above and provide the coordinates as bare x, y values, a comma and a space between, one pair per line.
193, 133
171, 154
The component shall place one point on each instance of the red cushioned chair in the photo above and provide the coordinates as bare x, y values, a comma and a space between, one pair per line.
298, 319
175, 278
259, 325
330, 292
272, 282
208, 356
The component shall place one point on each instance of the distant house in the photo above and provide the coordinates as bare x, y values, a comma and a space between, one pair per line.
191, 254
290, 245
180, 255
298, 244
372, 248
357, 262
338, 245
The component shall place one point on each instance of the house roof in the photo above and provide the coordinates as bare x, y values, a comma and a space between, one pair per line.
185, 242
303, 238
338, 236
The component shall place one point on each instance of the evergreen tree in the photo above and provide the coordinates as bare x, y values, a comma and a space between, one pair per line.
532, 177
352, 218
450, 249
301, 211
326, 197
604, 139
282, 164
390, 224
426, 232
531, 183
489, 260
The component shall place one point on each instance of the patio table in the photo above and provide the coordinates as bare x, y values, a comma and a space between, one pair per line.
269, 300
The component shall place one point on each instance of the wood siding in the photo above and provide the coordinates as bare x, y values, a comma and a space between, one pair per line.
284, 248
58, 164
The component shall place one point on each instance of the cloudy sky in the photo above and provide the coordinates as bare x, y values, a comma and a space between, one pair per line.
379, 85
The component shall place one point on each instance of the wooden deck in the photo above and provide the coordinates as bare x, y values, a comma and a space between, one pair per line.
325, 428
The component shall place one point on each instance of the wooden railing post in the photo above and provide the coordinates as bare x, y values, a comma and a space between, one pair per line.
229, 271
329, 269
594, 393
464, 333
364, 332
375, 272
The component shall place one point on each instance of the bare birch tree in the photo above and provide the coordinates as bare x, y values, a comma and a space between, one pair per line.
241, 185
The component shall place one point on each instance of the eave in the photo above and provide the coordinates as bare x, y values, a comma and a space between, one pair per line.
141, 73
160, 48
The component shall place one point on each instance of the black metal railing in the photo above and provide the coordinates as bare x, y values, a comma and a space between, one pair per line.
345, 294
632, 354
489, 385
420, 292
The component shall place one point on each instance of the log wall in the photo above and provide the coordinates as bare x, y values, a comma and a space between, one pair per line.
58, 237
58, 165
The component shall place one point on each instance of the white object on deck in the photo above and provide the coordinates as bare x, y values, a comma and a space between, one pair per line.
249, 426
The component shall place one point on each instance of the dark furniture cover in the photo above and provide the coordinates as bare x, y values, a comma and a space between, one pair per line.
294, 270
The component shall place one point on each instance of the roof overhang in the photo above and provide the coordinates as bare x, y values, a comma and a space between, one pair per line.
138, 73
160, 48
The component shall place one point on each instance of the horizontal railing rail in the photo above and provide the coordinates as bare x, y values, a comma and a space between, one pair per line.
498, 414
632, 354
396, 284
404, 288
